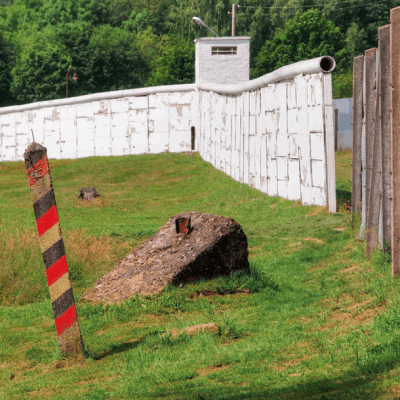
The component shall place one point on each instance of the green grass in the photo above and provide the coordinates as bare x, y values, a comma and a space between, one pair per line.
314, 319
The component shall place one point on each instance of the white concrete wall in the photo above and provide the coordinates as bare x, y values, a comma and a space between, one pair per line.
276, 138
151, 123
222, 68
272, 139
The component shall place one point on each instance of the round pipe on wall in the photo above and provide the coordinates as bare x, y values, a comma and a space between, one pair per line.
324, 64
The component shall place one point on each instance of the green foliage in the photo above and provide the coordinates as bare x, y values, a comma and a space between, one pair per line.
305, 36
7, 56
39, 70
175, 64
342, 84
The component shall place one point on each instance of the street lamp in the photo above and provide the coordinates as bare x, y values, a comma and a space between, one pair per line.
198, 21
75, 78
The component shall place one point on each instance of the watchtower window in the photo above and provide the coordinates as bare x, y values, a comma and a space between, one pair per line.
224, 50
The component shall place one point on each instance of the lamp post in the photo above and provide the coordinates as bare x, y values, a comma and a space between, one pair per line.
198, 21
75, 78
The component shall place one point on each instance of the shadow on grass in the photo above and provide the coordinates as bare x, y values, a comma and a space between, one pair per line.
118, 348
340, 388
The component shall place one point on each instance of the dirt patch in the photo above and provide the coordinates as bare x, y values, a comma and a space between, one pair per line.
192, 330
339, 229
212, 246
211, 369
313, 240
350, 269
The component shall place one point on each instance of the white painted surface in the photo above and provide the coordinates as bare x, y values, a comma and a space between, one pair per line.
275, 138
279, 140
222, 68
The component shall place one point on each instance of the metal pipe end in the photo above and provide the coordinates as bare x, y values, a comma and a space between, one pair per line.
327, 64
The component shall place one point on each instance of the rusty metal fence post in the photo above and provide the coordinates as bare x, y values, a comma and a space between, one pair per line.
52, 246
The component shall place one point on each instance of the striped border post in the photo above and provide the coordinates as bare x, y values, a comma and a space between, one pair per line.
52, 246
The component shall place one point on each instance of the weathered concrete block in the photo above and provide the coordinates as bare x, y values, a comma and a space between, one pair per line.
213, 246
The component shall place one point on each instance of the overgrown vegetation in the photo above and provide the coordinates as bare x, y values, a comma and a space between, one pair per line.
125, 44
314, 319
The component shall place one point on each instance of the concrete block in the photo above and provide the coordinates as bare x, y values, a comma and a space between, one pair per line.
66, 113
158, 141
293, 147
318, 174
319, 197
102, 146
294, 180
120, 106
317, 146
316, 120
257, 160
183, 98
102, 125
252, 155
119, 146
258, 102
139, 140
272, 176
269, 98
84, 110
282, 145
68, 150
270, 123
52, 137
85, 148
246, 159
283, 189
282, 168
119, 125
253, 125
271, 145
102, 107
315, 90
293, 124
138, 102
253, 103
291, 95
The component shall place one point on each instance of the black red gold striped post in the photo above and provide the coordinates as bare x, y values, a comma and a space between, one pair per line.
52, 245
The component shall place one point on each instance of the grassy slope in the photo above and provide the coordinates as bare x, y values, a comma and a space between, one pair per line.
330, 331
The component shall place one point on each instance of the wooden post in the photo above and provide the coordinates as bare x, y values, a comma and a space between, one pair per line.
52, 246
356, 193
384, 57
395, 134
376, 174
370, 90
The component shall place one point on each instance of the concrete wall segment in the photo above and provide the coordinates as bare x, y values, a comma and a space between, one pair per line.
271, 138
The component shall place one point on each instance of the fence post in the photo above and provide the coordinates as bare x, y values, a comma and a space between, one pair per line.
375, 177
384, 58
52, 246
395, 134
356, 194
370, 72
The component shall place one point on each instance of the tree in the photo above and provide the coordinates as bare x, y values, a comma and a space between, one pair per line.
305, 36
116, 62
174, 64
7, 59
40, 65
